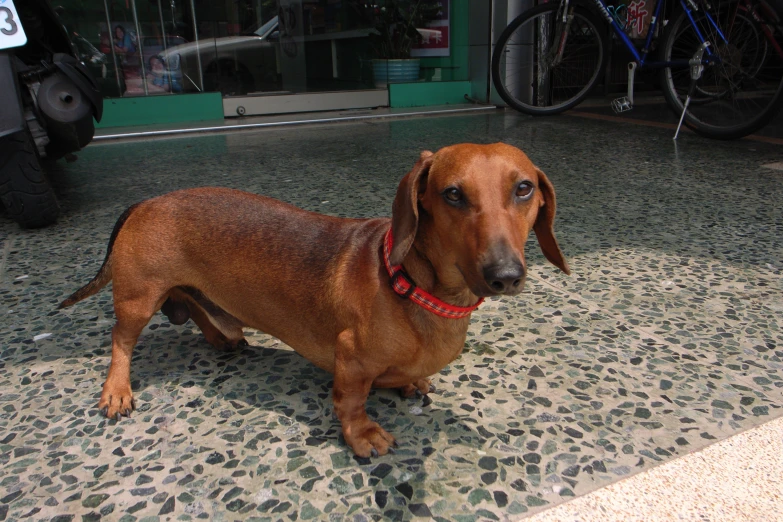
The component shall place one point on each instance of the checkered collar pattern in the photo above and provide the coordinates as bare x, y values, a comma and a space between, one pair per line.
404, 286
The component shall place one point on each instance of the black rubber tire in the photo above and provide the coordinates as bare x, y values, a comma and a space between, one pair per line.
705, 119
25, 192
585, 15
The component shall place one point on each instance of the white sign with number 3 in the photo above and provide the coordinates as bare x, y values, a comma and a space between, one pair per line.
11, 32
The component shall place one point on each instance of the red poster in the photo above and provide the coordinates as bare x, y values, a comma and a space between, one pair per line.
435, 36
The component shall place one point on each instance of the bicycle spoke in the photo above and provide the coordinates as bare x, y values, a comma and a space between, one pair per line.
542, 65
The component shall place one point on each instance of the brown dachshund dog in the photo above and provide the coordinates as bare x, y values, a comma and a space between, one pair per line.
376, 302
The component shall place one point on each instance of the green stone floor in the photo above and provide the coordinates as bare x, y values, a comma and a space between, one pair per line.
666, 338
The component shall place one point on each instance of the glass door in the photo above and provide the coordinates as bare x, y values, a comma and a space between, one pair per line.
264, 56
237, 47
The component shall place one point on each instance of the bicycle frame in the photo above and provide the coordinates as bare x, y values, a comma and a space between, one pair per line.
641, 58
764, 27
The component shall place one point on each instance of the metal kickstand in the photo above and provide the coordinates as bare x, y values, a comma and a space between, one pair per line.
697, 68
626, 102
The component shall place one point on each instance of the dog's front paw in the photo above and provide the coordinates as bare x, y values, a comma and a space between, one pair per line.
116, 401
417, 388
368, 439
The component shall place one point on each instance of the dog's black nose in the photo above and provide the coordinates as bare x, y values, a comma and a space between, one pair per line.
505, 278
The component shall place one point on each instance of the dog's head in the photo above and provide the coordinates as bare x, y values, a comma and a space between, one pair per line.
469, 209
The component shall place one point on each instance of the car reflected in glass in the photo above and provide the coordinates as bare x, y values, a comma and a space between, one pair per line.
232, 65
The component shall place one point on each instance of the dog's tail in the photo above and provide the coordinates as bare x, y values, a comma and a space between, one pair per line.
104, 275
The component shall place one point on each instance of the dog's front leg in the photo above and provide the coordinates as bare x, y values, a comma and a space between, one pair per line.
352, 383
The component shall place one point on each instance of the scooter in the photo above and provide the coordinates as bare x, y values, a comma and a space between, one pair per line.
48, 104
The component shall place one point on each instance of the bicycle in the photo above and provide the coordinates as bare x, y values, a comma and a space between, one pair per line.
721, 68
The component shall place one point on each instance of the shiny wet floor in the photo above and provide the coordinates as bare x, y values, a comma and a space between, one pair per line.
666, 338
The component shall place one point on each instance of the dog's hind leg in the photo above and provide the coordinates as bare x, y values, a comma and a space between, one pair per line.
221, 329
133, 309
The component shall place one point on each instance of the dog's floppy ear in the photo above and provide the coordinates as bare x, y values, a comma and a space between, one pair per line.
545, 224
405, 211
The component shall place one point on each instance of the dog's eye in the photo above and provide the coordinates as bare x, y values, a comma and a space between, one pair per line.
524, 190
453, 195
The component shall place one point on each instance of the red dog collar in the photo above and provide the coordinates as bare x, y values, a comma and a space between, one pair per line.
404, 286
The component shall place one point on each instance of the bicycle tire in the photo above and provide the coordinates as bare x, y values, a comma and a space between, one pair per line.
24, 190
737, 96
570, 81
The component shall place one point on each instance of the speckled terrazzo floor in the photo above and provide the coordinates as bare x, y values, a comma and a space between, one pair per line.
738, 479
666, 338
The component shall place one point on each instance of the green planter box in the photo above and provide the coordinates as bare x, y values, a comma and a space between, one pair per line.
395, 71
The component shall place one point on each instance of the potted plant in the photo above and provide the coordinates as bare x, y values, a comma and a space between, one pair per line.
396, 24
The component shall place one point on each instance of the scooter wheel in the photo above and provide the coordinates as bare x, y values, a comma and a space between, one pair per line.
25, 192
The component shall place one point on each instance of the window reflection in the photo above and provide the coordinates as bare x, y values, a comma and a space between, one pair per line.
235, 47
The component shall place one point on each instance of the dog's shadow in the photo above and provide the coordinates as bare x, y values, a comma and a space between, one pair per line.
267, 391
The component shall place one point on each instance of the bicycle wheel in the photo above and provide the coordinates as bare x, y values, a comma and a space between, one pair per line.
544, 66
740, 91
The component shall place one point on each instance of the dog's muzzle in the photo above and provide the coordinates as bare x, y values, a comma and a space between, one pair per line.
506, 278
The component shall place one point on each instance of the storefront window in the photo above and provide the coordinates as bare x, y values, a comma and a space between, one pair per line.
238, 47
247, 47
136, 35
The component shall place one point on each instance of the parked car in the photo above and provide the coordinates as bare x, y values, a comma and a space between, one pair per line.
233, 65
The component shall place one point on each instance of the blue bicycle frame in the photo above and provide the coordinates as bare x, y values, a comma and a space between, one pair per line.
641, 58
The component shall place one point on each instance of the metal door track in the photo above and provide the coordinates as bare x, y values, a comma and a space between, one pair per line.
261, 125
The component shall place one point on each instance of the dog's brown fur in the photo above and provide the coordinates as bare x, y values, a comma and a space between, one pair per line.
229, 259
